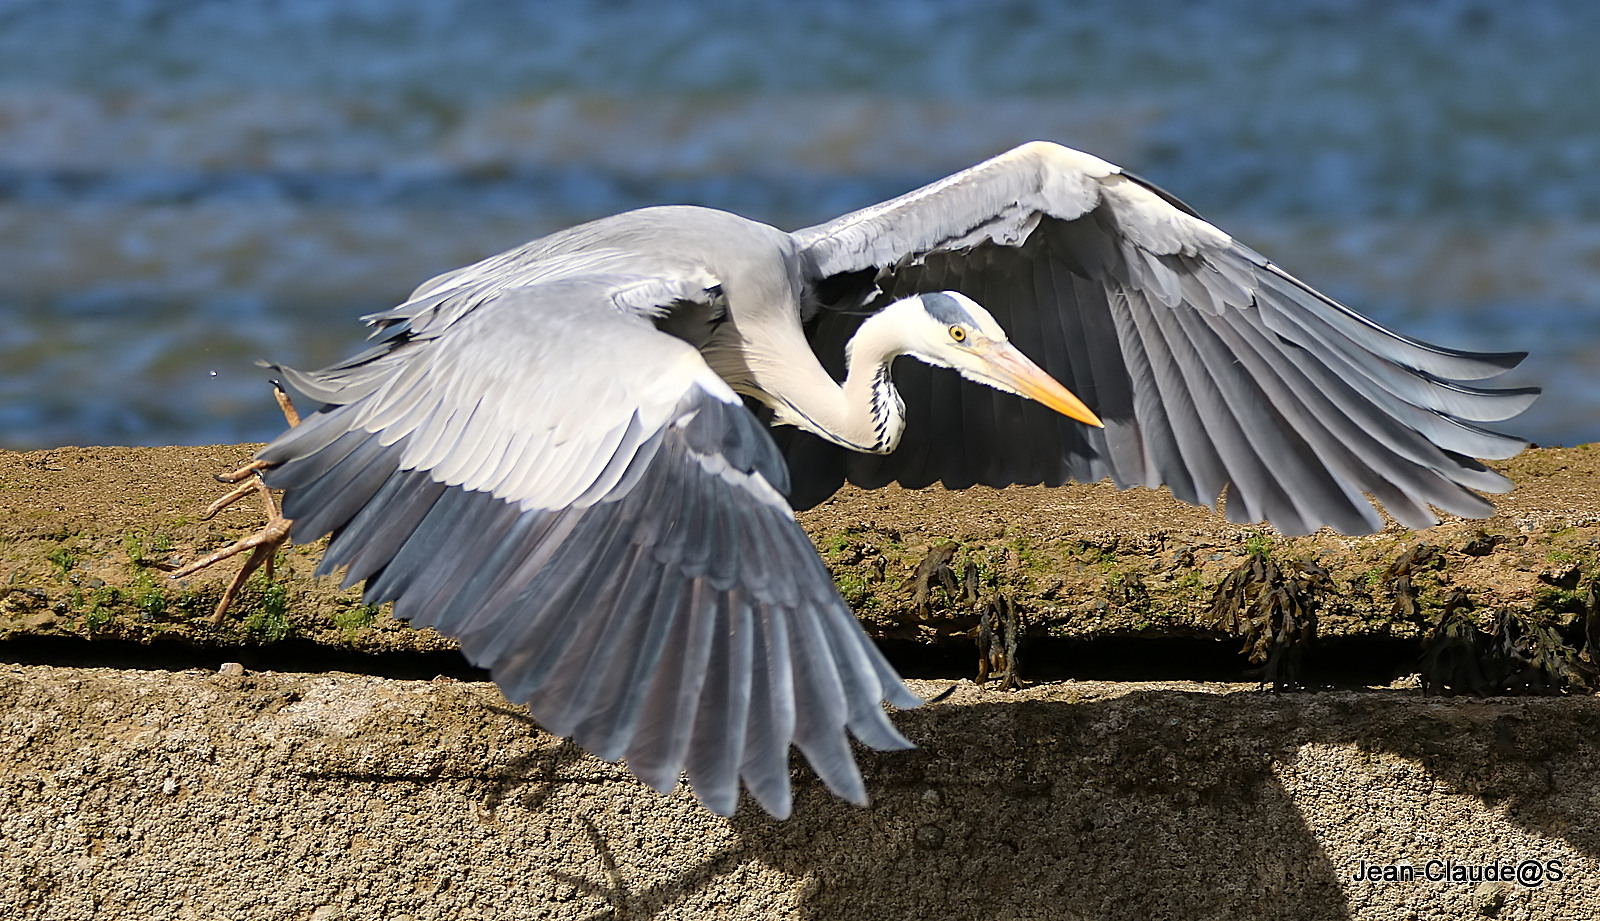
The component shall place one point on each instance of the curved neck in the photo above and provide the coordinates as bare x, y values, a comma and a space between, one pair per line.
865, 414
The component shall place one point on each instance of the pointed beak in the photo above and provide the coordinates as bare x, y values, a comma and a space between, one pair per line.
1016, 371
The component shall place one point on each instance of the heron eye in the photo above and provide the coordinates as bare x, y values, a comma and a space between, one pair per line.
958, 334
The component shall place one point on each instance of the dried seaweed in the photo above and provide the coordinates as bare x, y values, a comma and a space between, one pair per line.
1400, 579
993, 624
1523, 653
1274, 607
934, 570
997, 642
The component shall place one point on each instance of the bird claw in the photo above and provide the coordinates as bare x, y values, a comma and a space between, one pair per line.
263, 544
290, 414
235, 477
235, 495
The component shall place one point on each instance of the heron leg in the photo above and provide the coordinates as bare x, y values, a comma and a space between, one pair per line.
235, 494
263, 544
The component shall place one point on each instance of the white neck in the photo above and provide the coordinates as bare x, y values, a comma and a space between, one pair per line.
866, 414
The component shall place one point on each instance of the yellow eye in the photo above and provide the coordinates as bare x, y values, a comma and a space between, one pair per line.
958, 334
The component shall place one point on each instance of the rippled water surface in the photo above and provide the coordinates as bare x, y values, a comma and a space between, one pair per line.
187, 186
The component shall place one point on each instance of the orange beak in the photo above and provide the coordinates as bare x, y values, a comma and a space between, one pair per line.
1014, 369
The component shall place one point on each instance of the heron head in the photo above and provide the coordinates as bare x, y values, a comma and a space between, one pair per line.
950, 330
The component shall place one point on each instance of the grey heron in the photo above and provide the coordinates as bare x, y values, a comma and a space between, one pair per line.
557, 455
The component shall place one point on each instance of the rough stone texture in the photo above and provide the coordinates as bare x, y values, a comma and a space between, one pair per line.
257, 795
200, 795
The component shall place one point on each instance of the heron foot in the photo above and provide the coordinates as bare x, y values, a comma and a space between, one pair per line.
263, 544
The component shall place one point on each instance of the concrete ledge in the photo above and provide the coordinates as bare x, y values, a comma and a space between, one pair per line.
157, 795
85, 532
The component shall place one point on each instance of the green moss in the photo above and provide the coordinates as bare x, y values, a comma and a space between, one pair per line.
1104, 557
1558, 599
1027, 554
152, 605
1189, 582
269, 622
141, 545
1150, 618
853, 586
148, 598
834, 543
190, 603
988, 563
64, 559
101, 609
351, 619
1258, 544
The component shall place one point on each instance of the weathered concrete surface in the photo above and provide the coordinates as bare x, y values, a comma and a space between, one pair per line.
148, 794
196, 795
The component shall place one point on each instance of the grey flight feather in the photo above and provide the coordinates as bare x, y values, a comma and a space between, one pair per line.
546, 455
1212, 369
625, 564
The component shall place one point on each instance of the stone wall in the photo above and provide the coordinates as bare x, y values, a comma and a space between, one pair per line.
152, 791
199, 795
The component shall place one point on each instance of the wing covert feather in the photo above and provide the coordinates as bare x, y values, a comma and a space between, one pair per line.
1216, 373
622, 560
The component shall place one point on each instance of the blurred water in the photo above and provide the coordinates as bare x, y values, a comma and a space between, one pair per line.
188, 186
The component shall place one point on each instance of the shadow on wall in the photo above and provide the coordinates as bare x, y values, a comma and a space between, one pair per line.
1154, 804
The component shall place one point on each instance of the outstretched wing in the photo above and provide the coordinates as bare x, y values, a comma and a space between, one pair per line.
593, 513
1215, 372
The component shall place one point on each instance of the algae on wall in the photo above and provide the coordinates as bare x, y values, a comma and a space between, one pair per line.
87, 534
